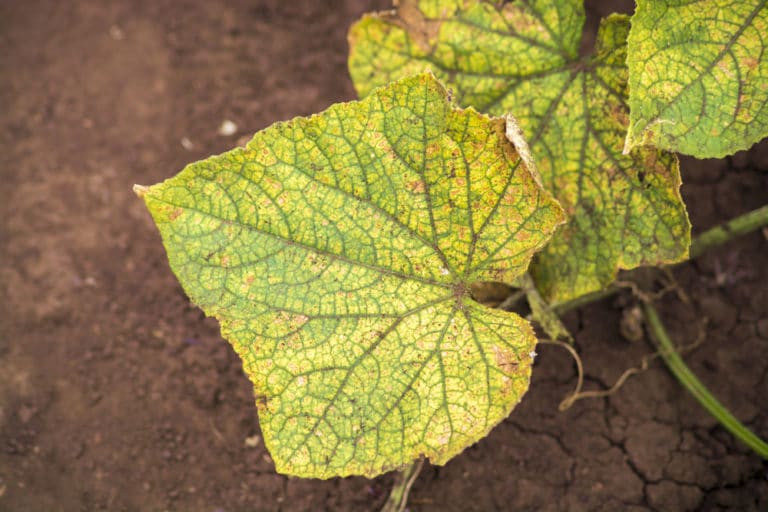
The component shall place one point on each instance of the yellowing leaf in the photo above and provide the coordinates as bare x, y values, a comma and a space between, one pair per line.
522, 58
698, 75
338, 252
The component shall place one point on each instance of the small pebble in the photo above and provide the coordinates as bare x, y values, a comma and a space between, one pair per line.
116, 33
187, 144
227, 128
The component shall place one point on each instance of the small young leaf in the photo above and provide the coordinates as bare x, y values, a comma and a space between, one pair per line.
698, 75
522, 58
338, 252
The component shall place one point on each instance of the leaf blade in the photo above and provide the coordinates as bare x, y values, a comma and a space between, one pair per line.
573, 112
697, 74
337, 253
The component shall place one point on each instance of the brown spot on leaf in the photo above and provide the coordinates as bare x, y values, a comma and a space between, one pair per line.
750, 63
520, 21
507, 361
175, 214
417, 186
262, 403
422, 30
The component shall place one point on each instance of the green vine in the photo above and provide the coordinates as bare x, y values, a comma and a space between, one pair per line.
694, 386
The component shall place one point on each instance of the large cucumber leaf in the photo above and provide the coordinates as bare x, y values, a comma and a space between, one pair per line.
698, 75
338, 251
522, 58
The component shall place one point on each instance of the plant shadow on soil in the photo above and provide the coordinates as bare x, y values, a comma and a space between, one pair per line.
116, 394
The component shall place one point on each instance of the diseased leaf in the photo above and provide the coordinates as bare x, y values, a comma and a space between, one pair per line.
522, 58
338, 252
698, 75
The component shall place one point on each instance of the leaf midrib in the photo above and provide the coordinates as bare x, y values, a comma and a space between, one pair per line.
310, 248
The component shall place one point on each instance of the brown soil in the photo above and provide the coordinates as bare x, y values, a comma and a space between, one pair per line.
116, 394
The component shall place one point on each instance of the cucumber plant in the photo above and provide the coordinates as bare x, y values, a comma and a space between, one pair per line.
340, 252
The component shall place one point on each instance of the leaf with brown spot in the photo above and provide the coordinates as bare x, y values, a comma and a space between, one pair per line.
337, 252
522, 58
698, 76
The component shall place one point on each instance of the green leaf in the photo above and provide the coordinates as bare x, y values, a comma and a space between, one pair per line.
522, 58
337, 252
698, 75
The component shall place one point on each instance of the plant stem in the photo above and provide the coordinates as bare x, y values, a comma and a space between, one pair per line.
719, 235
398, 496
541, 312
726, 232
683, 374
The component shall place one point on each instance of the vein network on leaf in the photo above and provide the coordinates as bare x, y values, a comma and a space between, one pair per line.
523, 58
337, 252
698, 76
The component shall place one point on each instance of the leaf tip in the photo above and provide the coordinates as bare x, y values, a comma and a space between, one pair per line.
140, 190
